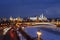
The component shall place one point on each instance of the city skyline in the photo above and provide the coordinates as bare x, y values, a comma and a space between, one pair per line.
23, 8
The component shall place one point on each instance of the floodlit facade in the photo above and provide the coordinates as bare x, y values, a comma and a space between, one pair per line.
38, 18
42, 17
15, 19
33, 18
11, 18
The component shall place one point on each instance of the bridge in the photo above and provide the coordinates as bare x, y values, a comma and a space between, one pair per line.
57, 23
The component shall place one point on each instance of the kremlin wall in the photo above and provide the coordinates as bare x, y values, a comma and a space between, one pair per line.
18, 21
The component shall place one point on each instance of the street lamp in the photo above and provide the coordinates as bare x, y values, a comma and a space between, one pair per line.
22, 28
38, 35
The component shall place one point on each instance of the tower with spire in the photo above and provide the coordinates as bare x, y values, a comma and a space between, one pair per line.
42, 17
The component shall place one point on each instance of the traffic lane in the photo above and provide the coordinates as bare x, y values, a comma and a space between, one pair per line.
10, 35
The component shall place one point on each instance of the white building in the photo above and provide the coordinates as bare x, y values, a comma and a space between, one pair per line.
33, 18
39, 18
42, 17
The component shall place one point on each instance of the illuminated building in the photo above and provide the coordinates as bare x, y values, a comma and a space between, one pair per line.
11, 18
38, 18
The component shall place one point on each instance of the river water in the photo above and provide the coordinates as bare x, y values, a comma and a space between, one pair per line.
47, 32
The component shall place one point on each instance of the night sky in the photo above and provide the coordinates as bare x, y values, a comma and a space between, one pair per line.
24, 8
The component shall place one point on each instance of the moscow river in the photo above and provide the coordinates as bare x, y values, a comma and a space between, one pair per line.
47, 32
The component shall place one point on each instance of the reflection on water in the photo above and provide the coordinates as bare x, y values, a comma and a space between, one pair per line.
47, 33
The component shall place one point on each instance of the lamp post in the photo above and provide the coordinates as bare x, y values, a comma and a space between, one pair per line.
38, 35
22, 28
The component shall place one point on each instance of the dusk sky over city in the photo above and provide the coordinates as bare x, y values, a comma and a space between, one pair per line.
29, 19
23, 8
